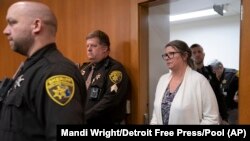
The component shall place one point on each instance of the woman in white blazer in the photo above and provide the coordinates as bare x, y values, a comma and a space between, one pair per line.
183, 96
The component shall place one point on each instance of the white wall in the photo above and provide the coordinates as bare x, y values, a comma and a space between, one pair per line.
219, 38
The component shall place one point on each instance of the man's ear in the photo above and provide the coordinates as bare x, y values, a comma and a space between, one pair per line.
105, 49
37, 25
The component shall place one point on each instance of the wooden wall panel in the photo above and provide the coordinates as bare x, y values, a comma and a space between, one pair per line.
9, 61
76, 19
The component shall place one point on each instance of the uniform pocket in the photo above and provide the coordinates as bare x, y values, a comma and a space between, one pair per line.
13, 114
14, 99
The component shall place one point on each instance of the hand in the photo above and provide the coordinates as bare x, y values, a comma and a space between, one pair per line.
236, 97
224, 122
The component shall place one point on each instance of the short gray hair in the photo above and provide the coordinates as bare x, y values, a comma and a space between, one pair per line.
216, 64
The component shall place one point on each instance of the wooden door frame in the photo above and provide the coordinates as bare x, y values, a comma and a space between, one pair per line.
143, 38
244, 78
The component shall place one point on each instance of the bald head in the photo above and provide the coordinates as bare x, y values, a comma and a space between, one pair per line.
31, 26
32, 10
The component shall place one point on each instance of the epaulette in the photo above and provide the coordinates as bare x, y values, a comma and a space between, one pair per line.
107, 63
231, 70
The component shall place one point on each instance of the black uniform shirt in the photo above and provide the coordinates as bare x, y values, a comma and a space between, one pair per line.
229, 85
46, 92
108, 92
215, 84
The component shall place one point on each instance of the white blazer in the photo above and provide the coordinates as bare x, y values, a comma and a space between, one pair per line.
194, 102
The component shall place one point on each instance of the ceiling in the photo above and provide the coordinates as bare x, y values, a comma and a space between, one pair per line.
184, 6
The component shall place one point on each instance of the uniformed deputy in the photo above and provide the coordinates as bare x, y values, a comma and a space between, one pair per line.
106, 80
198, 57
229, 82
47, 90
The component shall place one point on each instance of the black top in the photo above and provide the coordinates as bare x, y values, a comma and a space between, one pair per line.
107, 93
47, 91
215, 84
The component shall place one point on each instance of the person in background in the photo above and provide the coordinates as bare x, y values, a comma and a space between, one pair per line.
198, 57
183, 96
47, 89
107, 82
229, 84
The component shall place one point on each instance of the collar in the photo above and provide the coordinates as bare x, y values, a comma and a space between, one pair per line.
105, 62
38, 55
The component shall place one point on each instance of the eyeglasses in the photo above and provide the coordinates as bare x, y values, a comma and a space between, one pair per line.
169, 55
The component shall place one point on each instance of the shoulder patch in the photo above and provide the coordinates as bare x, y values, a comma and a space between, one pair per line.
115, 76
237, 73
60, 88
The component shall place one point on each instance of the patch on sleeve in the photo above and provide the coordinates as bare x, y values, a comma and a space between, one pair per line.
116, 76
60, 88
237, 73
